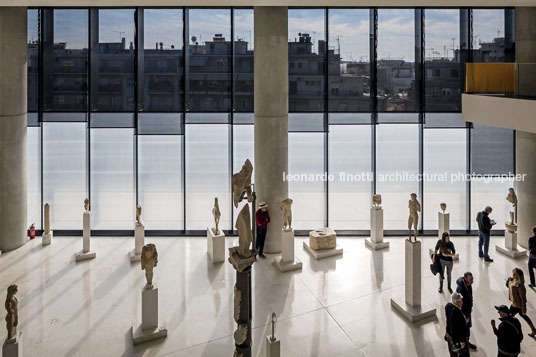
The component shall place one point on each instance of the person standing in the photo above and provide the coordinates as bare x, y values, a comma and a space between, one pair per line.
484, 231
465, 288
444, 251
532, 257
509, 334
262, 218
455, 333
518, 296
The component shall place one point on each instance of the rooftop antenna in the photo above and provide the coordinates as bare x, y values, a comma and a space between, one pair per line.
120, 35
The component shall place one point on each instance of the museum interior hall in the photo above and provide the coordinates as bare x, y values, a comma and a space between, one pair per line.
267, 178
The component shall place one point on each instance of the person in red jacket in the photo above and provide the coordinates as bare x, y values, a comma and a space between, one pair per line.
262, 218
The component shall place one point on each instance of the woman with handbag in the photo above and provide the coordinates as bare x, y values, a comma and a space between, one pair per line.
518, 296
444, 251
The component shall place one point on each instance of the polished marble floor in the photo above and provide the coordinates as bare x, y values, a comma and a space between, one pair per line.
335, 307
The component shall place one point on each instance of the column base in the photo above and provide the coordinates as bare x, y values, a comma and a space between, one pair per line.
287, 266
412, 314
134, 258
455, 257
216, 246
47, 238
322, 253
140, 336
273, 348
13, 347
85, 256
376, 246
512, 253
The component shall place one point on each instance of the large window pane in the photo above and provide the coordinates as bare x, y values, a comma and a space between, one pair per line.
445, 153
442, 62
243, 60
397, 157
207, 174
493, 194
350, 163
349, 62
396, 60
243, 148
488, 35
64, 172
306, 157
112, 179
307, 57
116, 60
33, 59
160, 181
163, 51
33, 145
210, 60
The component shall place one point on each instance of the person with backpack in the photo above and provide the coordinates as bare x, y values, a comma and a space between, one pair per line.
509, 333
455, 333
518, 296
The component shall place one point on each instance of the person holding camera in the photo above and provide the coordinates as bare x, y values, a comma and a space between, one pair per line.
484, 231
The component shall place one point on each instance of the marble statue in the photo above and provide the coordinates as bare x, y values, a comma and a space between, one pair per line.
377, 201
511, 226
443, 207
47, 218
237, 302
512, 197
86, 205
241, 334
242, 183
149, 260
286, 206
138, 214
243, 226
272, 338
12, 315
413, 220
217, 214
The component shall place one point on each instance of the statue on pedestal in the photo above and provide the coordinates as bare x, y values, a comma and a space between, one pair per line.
286, 206
511, 226
149, 260
242, 183
86, 205
443, 207
272, 338
217, 214
47, 218
12, 308
138, 215
376, 201
413, 220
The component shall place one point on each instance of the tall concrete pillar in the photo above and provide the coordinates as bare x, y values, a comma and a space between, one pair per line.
271, 115
526, 142
13, 188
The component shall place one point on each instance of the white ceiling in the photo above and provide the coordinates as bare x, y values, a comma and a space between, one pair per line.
428, 3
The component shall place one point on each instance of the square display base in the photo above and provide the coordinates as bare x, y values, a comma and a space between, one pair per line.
287, 266
216, 246
134, 258
322, 253
455, 257
412, 314
85, 256
13, 348
46, 239
376, 246
141, 336
511, 252
273, 348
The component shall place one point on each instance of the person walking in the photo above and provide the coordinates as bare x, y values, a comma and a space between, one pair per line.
444, 251
465, 289
455, 333
532, 257
509, 333
518, 296
262, 218
484, 231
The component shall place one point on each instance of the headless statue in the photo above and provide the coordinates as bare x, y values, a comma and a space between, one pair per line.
149, 260
413, 220
286, 206
12, 308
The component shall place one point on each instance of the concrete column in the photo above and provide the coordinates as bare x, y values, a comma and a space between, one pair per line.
526, 142
271, 115
13, 97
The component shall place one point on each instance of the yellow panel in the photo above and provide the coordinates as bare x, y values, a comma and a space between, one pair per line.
490, 77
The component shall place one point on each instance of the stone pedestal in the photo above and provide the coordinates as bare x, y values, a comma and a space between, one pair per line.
443, 223
322, 243
86, 252
287, 261
139, 242
273, 348
13, 347
376, 230
510, 246
243, 312
216, 246
148, 330
46, 239
410, 305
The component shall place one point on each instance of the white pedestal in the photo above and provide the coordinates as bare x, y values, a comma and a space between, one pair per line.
273, 348
148, 329
322, 253
287, 262
510, 246
46, 239
376, 230
410, 307
443, 223
13, 348
455, 257
216, 246
86, 252
139, 242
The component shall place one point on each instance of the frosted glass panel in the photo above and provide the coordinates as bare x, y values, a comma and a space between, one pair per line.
349, 196
243, 148
160, 181
64, 173
490, 194
306, 156
397, 153
112, 179
445, 152
207, 174
34, 176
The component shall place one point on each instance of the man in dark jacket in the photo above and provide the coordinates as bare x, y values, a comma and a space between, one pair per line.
532, 256
484, 231
466, 290
509, 334
456, 334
